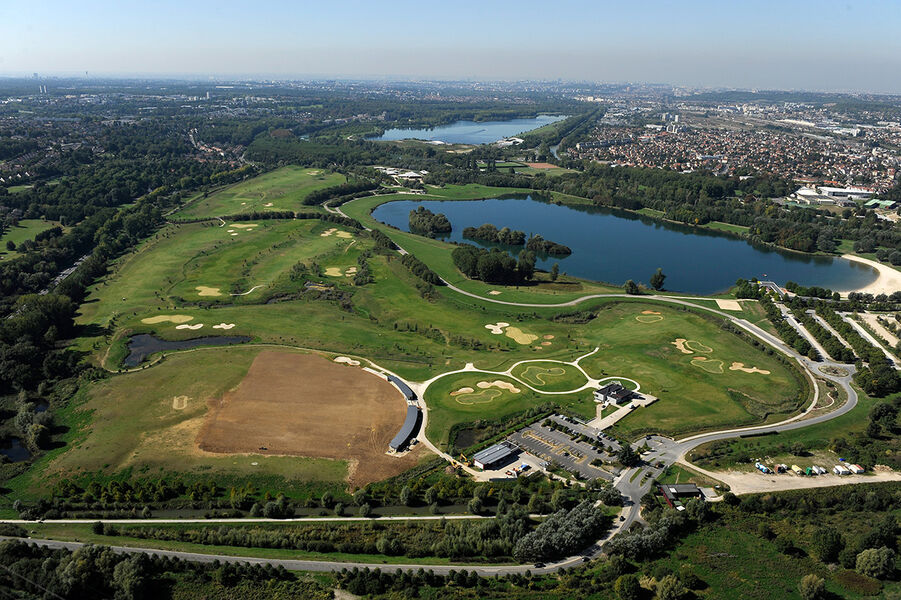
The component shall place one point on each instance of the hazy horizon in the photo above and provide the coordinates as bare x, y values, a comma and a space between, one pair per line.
816, 46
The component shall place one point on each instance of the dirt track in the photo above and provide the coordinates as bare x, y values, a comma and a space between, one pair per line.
305, 405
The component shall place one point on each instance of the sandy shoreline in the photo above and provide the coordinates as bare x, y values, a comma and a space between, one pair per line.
887, 282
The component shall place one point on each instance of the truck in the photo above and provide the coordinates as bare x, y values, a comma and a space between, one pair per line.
819, 470
762, 467
810, 472
781, 468
797, 470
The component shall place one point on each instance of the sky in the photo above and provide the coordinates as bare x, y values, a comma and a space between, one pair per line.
853, 45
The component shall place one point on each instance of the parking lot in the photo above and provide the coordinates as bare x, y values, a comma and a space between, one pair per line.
558, 447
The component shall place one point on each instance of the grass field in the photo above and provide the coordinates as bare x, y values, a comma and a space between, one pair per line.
24, 231
549, 376
149, 420
448, 406
692, 397
282, 189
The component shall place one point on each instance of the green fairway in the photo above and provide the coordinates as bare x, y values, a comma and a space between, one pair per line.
282, 189
24, 231
550, 376
694, 394
459, 398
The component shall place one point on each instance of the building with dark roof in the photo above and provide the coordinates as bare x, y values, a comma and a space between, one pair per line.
411, 423
403, 387
495, 456
613, 393
673, 493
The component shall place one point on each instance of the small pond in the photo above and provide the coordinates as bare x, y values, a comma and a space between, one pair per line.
143, 345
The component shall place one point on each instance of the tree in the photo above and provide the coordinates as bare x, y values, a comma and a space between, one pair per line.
631, 288
697, 510
555, 271
827, 543
876, 562
360, 497
627, 588
670, 588
812, 587
627, 456
365, 510
11, 245
406, 496
475, 506
431, 495
657, 279
130, 578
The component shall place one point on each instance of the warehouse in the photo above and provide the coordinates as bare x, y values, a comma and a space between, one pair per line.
495, 456
403, 387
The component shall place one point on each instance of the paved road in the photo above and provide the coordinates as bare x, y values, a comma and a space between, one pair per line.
664, 450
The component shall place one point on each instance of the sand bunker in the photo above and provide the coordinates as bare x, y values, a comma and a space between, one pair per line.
648, 318
650, 312
350, 272
224, 326
494, 293
462, 390
344, 234
234, 234
504, 385
347, 361
328, 232
334, 272
497, 328
230, 231
244, 225
166, 319
191, 327
179, 402
545, 343
728, 305
519, 336
680, 346
711, 365
548, 337
268, 205
691, 346
203, 290
737, 366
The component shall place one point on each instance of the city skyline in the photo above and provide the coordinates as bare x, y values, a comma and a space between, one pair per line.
823, 46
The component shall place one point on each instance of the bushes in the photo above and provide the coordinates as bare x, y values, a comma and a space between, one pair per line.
494, 266
320, 196
420, 269
562, 533
491, 234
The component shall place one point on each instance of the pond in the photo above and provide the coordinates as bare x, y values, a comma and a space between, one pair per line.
143, 345
470, 132
613, 246
14, 450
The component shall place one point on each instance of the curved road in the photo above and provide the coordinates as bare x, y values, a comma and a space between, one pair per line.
663, 450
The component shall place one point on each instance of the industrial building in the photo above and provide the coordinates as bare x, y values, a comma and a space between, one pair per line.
401, 385
676, 492
495, 456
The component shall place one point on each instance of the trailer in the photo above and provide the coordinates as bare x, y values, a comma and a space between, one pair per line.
856, 469
797, 470
841, 470
781, 468
761, 467
820, 470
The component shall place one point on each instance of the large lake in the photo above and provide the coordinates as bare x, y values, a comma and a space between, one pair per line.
614, 246
470, 132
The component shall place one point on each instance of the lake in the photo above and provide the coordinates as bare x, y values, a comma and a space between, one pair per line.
613, 246
470, 132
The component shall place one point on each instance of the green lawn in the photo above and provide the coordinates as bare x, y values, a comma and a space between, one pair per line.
282, 189
450, 403
24, 231
549, 376
694, 394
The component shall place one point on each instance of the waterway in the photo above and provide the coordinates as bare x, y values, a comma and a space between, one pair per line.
471, 132
143, 345
613, 246
14, 450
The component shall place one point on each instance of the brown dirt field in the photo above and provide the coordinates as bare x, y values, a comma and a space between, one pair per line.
306, 405
543, 165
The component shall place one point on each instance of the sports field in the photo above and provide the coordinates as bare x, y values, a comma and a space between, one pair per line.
282, 189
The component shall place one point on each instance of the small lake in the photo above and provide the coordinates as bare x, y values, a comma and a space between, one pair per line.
143, 345
613, 246
14, 450
470, 132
